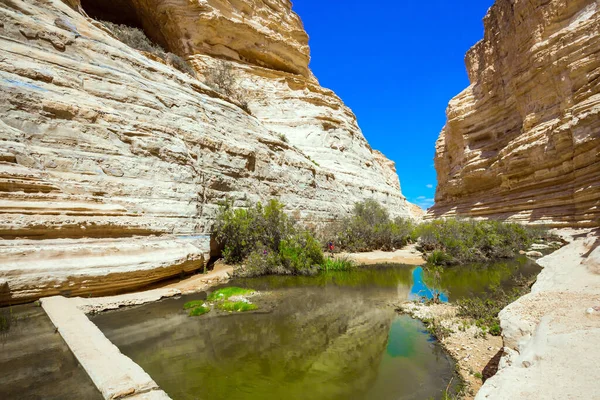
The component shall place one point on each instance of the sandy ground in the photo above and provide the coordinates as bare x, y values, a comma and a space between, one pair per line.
472, 352
196, 283
408, 255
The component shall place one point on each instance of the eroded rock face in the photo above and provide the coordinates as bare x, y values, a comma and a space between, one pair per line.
112, 163
523, 140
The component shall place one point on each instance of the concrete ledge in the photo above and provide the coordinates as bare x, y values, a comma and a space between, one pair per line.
115, 375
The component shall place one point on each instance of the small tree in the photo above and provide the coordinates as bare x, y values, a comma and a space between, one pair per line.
223, 80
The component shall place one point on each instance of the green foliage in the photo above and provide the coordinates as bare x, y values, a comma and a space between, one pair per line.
453, 241
197, 311
238, 306
313, 161
261, 262
193, 304
370, 228
196, 308
339, 264
283, 138
436, 329
301, 254
245, 230
137, 39
267, 241
495, 330
484, 311
226, 293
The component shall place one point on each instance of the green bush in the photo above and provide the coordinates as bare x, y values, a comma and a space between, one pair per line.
454, 241
266, 240
370, 228
301, 254
243, 231
258, 263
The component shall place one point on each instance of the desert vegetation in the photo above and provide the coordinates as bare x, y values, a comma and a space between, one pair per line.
451, 242
267, 241
6, 320
370, 228
222, 79
483, 312
137, 39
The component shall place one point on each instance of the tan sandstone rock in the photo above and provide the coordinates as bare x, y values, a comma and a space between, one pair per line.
523, 140
112, 163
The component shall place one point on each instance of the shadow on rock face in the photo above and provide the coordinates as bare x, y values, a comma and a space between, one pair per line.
5, 295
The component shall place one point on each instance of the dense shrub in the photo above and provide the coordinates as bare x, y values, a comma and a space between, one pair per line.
301, 254
370, 228
266, 240
137, 39
453, 241
242, 231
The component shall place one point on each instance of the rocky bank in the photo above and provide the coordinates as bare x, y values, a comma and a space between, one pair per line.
112, 162
522, 142
551, 334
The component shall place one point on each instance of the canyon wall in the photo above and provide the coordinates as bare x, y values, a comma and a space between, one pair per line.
522, 142
112, 163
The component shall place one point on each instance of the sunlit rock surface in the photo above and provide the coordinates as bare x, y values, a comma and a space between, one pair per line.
523, 140
112, 163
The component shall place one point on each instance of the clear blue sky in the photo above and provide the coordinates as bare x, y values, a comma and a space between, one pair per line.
396, 63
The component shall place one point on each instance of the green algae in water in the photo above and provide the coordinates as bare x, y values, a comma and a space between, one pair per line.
193, 304
197, 308
238, 306
226, 293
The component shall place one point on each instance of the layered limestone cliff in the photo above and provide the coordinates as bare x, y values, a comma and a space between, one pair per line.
112, 162
522, 141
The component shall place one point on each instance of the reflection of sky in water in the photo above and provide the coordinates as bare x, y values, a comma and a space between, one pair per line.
420, 289
402, 338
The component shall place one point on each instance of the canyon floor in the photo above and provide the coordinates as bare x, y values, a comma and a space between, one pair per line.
548, 335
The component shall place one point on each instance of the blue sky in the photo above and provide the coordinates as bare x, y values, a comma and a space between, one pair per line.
396, 63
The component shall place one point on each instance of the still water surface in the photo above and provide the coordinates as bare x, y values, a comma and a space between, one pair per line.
333, 336
35, 362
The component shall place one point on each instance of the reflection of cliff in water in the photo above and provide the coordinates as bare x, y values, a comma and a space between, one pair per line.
463, 281
35, 362
304, 346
